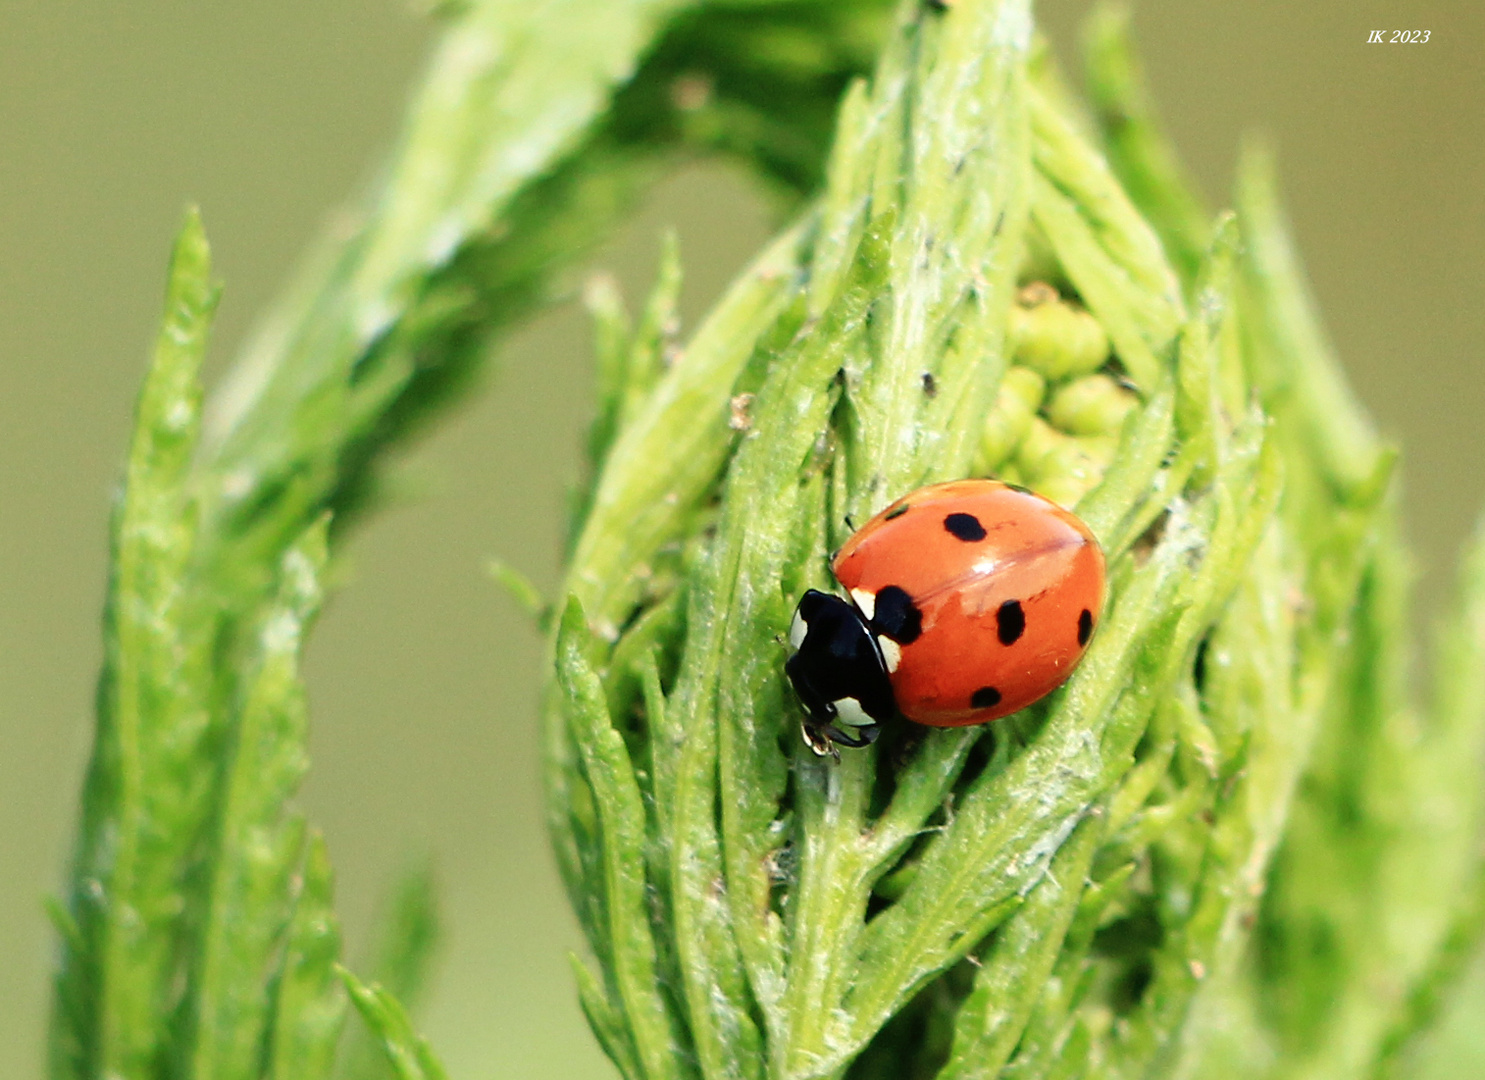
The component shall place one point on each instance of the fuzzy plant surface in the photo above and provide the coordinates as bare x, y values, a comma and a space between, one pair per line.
197, 933
1232, 845
1228, 846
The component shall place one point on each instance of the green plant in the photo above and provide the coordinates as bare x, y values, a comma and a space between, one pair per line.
1202, 857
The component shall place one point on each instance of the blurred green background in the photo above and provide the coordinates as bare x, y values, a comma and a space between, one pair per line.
422, 675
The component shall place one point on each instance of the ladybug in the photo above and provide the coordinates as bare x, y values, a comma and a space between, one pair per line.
968, 601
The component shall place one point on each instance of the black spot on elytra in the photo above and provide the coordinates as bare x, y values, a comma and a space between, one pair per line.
896, 616
986, 697
896, 512
966, 527
1085, 626
1010, 622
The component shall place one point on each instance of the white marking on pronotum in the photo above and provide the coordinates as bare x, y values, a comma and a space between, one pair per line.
891, 653
797, 630
849, 712
866, 603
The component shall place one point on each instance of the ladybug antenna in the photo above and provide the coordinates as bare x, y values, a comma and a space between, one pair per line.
849, 523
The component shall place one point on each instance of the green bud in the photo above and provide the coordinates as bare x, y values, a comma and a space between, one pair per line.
1058, 340
1008, 472
1020, 395
1040, 440
1065, 491
1064, 468
1095, 405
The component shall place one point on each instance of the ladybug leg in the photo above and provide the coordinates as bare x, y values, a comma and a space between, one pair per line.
826, 739
817, 738
855, 738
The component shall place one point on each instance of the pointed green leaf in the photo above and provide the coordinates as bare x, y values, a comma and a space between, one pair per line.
308, 1000
631, 946
257, 839
408, 1052
146, 797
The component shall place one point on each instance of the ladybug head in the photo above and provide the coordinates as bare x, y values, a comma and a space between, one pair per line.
838, 672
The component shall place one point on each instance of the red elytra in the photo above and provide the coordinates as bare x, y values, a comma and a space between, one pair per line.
990, 593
